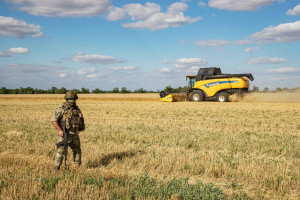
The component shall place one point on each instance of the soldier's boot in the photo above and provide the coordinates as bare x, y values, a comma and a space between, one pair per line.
77, 157
58, 159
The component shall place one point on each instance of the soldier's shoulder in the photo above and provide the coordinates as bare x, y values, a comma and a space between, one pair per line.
62, 107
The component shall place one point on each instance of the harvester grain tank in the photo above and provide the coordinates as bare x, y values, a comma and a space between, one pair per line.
212, 84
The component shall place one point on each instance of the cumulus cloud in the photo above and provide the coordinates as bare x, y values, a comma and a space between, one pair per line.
239, 5
285, 70
190, 62
65, 8
251, 49
94, 59
140, 12
294, 11
149, 16
288, 32
116, 13
18, 28
11, 51
89, 73
164, 70
212, 43
123, 68
262, 60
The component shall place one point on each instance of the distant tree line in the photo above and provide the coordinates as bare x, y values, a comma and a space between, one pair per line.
278, 89
55, 90
123, 90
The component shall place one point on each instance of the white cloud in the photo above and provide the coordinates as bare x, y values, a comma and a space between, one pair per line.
140, 12
123, 68
262, 60
242, 42
18, 50
89, 73
285, 70
201, 3
165, 61
190, 62
18, 28
288, 32
62, 75
177, 7
294, 11
164, 70
11, 51
94, 59
116, 13
251, 49
239, 5
150, 17
212, 43
62, 8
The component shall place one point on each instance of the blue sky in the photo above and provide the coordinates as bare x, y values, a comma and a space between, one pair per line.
146, 44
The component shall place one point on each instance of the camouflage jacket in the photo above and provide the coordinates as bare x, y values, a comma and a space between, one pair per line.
61, 113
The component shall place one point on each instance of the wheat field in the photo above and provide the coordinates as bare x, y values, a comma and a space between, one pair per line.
135, 147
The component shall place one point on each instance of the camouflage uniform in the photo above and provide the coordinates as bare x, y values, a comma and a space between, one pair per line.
72, 134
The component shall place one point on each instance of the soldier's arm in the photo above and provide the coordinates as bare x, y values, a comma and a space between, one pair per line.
57, 126
55, 119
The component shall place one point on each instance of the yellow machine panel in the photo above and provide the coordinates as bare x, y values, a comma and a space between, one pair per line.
212, 86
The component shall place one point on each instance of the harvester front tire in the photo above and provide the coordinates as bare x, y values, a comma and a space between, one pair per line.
162, 94
223, 97
197, 95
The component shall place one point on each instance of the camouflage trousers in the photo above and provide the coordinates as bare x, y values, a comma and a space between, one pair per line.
74, 144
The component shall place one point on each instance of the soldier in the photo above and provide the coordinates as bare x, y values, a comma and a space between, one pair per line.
74, 123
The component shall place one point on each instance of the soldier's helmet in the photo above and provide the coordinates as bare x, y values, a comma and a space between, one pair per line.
71, 95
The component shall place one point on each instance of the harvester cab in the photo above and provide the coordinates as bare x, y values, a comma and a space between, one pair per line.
212, 84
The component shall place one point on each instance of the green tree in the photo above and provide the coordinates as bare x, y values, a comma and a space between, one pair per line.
115, 90
76, 90
84, 91
61, 91
266, 89
3, 90
96, 91
278, 89
255, 89
15, 91
29, 90
141, 90
53, 90
124, 90
169, 89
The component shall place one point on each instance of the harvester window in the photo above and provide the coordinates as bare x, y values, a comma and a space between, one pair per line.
192, 82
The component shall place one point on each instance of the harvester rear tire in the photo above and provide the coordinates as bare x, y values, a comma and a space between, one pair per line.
223, 97
197, 95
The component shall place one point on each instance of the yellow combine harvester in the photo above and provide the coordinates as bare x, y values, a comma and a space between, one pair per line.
211, 84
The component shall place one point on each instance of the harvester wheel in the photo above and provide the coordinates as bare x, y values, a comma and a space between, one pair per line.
223, 97
197, 95
162, 94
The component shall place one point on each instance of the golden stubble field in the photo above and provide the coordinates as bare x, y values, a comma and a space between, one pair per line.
248, 148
